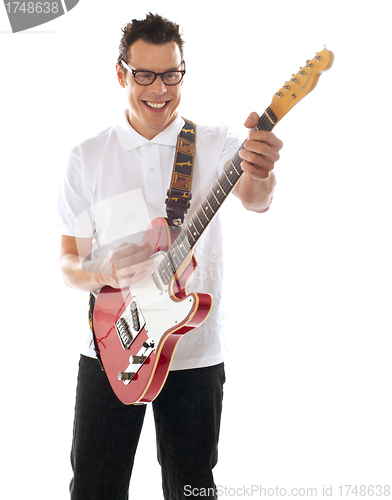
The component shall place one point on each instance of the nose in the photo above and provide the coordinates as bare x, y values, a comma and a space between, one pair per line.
158, 86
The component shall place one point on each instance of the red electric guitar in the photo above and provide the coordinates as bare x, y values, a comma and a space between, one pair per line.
137, 329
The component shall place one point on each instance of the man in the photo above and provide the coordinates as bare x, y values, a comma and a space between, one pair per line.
115, 183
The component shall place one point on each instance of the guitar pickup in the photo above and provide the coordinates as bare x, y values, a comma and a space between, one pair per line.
129, 324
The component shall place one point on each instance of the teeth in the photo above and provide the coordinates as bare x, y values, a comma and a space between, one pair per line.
155, 105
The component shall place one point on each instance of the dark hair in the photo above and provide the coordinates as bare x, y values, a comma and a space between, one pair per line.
154, 29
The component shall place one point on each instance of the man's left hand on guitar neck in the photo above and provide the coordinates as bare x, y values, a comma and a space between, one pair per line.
261, 152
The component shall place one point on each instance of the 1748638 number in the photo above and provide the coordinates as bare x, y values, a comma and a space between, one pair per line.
349, 490
32, 7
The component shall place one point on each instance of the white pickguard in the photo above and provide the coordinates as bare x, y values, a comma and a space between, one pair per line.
159, 310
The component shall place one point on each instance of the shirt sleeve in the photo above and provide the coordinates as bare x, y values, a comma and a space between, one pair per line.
73, 205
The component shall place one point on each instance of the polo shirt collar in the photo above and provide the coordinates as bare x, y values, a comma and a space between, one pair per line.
130, 139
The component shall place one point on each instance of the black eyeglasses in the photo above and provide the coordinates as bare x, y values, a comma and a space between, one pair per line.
149, 77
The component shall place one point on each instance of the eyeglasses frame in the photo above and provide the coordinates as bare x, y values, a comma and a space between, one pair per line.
134, 71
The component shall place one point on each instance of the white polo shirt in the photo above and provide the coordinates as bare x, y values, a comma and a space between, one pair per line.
116, 183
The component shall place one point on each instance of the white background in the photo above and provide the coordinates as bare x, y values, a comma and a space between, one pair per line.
308, 399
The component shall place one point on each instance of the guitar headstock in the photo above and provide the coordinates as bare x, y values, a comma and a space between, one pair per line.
301, 84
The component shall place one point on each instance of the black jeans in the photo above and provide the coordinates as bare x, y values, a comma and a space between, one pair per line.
106, 433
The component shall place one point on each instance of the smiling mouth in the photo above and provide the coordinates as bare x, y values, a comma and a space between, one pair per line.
156, 105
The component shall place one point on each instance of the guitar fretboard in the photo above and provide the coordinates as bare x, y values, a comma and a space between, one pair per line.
207, 210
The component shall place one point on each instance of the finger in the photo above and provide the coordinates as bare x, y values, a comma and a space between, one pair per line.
126, 257
256, 171
265, 161
261, 149
132, 269
128, 249
133, 274
252, 120
266, 137
129, 280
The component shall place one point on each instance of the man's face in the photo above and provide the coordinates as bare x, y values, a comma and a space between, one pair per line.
145, 112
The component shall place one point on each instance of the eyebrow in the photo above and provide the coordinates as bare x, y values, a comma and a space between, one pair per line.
174, 68
151, 71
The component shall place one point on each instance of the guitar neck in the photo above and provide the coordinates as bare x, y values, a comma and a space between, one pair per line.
207, 210
222, 187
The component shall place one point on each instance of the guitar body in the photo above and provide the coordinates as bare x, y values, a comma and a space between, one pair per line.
164, 313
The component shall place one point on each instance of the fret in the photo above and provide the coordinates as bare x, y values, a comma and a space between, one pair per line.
214, 204
217, 197
218, 192
179, 248
165, 274
184, 246
212, 191
202, 218
197, 215
231, 161
209, 206
199, 227
268, 120
171, 262
174, 257
190, 232
220, 185
205, 215
192, 222
223, 184
169, 267
231, 184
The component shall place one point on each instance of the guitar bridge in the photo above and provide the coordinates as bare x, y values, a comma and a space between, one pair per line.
137, 361
129, 324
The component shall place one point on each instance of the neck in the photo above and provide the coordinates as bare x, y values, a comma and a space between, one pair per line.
146, 131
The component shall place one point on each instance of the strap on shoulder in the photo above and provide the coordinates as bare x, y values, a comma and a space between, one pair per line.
179, 195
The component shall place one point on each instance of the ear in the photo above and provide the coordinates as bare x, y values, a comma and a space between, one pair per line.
120, 75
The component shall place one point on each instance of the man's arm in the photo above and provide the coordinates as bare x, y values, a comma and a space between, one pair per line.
256, 187
122, 267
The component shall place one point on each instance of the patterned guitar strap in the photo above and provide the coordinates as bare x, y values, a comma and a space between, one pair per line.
178, 196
